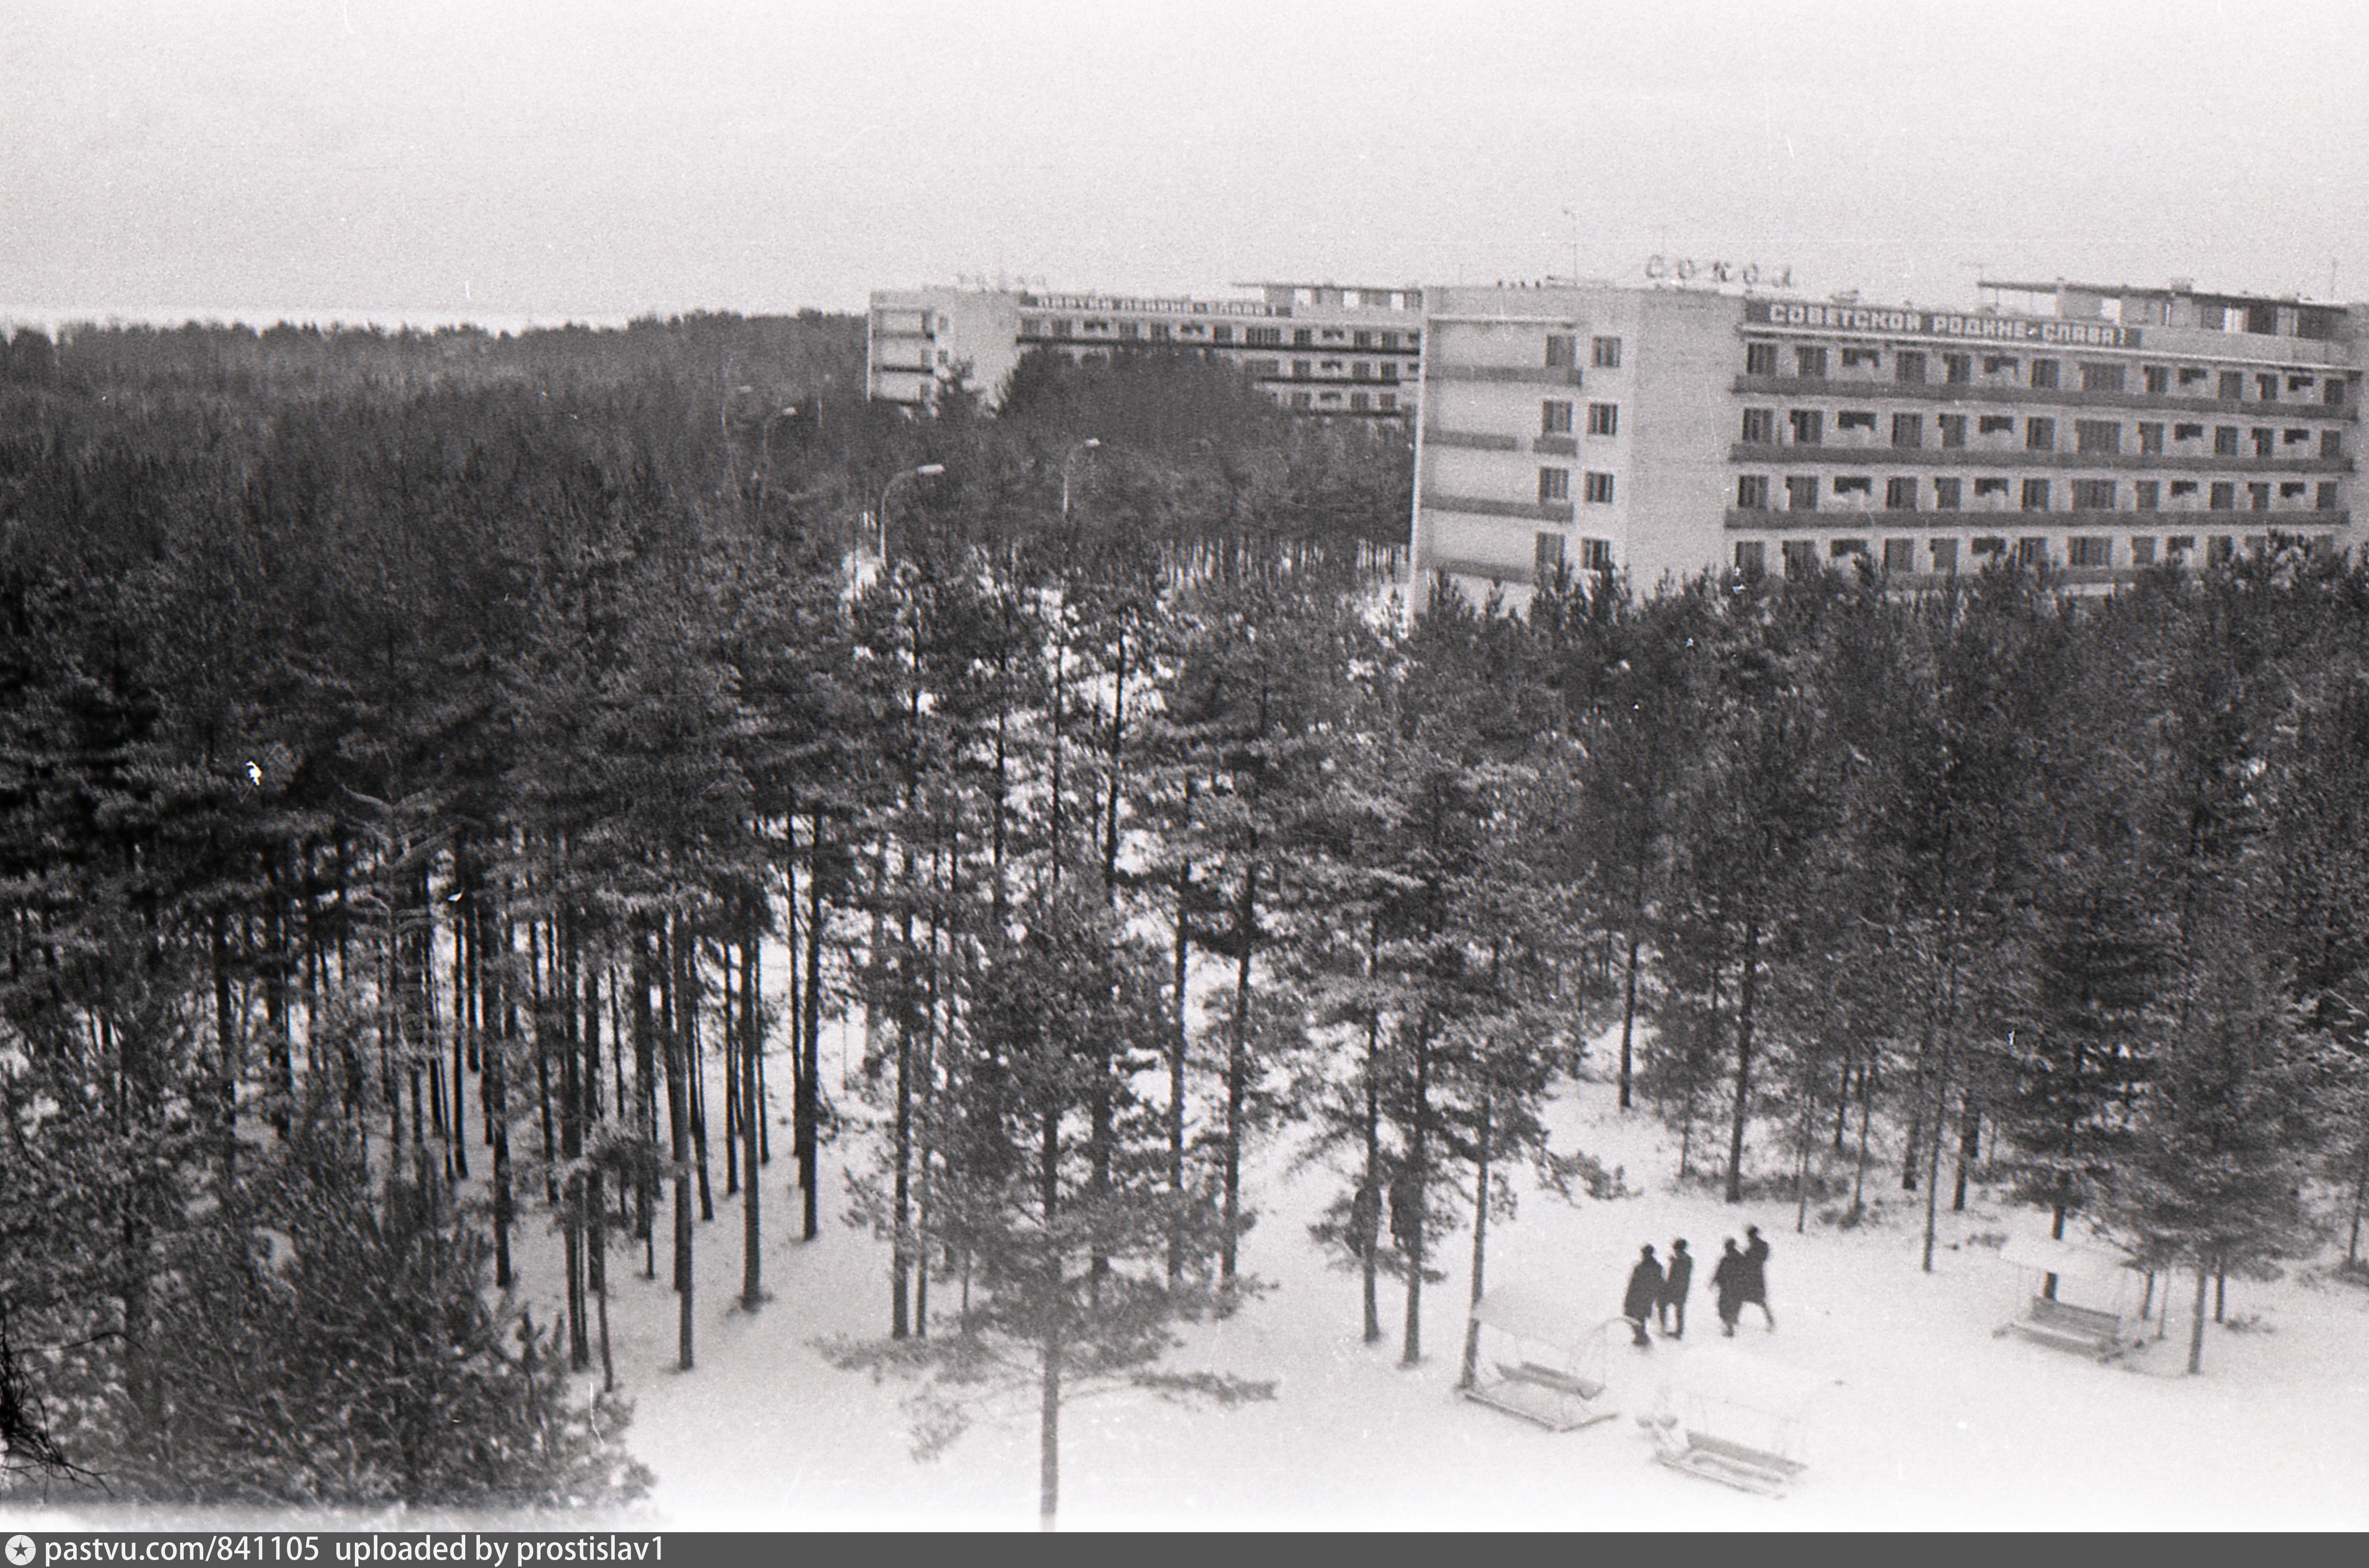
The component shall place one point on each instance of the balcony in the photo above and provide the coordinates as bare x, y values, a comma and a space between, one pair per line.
1974, 393
1473, 440
1480, 506
1555, 447
2019, 457
2198, 521
1519, 375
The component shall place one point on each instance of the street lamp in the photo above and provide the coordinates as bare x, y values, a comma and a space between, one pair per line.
923, 472
1088, 445
765, 447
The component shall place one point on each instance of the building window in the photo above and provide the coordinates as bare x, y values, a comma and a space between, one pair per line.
1387, 402
1330, 367
1854, 484
2266, 442
1759, 358
2332, 394
2258, 497
2233, 385
1554, 417
1752, 493
2040, 435
2193, 375
2158, 380
1604, 353
1907, 431
2035, 495
2150, 440
1751, 557
1809, 427
2178, 545
1302, 369
2296, 438
1953, 429
1987, 544
1957, 368
1857, 358
1998, 487
1390, 369
1855, 420
1994, 425
2293, 490
2085, 551
1946, 493
2299, 384
1596, 554
1303, 400
1909, 366
2001, 364
1554, 484
1361, 370
2223, 496
2148, 495
2266, 388
2142, 551
1303, 337
2093, 494
2044, 374
1945, 554
2182, 487
1361, 340
1801, 558
1546, 558
1222, 334
1263, 336
1843, 549
2032, 552
1810, 363
2224, 441
1900, 495
1760, 426
2096, 378
1130, 329
1900, 555
1360, 401
1800, 493
2220, 549
2188, 432
1032, 326
1561, 351
2096, 436
1599, 489
1603, 418
2331, 444
2325, 499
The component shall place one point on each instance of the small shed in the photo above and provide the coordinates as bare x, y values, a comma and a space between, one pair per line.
1540, 1360
2090, 1310
1734, 1418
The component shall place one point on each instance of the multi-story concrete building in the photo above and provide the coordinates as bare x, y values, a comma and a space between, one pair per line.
1665, 431
1317, 348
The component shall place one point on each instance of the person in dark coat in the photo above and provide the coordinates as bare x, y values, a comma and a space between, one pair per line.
1644, 1290
1727, 1283
1675, 1284
1755, 1274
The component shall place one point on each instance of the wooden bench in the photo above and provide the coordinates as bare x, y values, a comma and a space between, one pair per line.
1731, 1463
2069, 1328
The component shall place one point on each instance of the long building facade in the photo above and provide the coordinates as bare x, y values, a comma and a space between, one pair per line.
1317, 348
1662, 432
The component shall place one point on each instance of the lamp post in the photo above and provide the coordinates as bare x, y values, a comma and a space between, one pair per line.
1088, 445
765, 447
923, 472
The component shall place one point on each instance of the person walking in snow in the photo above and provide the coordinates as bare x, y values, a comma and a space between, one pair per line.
1644, 1290
1727, 1283
1754, 1288
1675, 1284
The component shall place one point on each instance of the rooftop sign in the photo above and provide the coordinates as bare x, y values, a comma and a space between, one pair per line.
1941, 323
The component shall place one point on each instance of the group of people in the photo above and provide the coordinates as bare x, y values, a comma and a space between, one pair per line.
1740, 1280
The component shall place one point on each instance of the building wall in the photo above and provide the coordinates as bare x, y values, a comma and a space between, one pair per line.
2137, 455
1319, 350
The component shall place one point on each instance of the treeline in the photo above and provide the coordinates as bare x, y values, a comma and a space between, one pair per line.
416, 754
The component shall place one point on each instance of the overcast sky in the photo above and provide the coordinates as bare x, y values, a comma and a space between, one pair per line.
595, 159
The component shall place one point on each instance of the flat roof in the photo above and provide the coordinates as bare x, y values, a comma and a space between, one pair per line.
2060, 284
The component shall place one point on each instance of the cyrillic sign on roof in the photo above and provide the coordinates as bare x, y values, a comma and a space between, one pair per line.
1938, 323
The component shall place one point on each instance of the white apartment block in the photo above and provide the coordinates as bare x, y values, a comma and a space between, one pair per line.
1663, 431
1317, 348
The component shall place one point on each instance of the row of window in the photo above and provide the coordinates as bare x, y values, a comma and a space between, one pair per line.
1356, 401
1802, 492
1801, 555
1554, 484
1912, 366
1807, 428
1554, 419
1220, 333
1594, 555
1563, 352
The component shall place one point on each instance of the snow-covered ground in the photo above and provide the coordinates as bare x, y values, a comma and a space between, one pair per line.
1923, 1418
